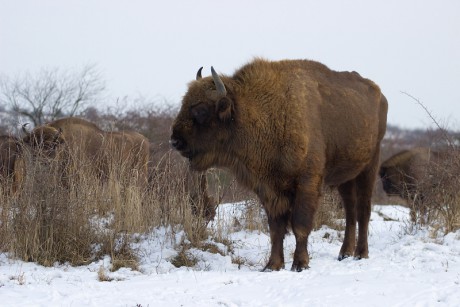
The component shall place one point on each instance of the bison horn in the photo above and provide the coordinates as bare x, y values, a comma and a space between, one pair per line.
218, 82
198, 74
24, 128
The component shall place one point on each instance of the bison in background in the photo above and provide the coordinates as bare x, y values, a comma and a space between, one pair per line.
84, 146
11, 164
79, 146
405, 174
284, 129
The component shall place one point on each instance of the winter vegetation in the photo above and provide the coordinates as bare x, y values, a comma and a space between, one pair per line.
114, 242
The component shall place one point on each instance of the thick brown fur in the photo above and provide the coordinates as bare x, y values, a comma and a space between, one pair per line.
404, 173
11, 164
284, 129
84, 141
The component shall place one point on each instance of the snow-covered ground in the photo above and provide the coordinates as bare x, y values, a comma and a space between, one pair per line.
405, 268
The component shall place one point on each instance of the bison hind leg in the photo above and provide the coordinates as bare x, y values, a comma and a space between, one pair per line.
347, 192
364, 186
356, 196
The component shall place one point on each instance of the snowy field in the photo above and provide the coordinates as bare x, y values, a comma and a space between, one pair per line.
405, 268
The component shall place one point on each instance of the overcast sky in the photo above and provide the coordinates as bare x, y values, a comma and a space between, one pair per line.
154, 48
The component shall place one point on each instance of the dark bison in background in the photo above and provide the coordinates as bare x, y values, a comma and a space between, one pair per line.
405, 173
11, 164
284, 129
87, 146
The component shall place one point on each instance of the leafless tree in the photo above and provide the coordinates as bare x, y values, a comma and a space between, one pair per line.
50, 94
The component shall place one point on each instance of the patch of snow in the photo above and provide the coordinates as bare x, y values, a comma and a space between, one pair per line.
405, 268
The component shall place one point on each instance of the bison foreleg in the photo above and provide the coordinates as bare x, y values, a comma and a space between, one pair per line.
364, 186
302, 218
278, 229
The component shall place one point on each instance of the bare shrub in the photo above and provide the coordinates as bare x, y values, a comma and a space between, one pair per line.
438, 204
51, 93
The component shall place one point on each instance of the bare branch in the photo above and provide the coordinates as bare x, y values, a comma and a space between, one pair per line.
444, 131
51, 93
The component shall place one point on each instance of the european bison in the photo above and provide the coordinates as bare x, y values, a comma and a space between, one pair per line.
284, 129
11, 164
84, 142
403, 175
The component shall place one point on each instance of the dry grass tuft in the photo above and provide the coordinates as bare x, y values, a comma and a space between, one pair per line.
184, 258
102, 275
330, 211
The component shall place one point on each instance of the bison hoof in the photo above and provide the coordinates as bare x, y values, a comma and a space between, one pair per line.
359, 257
299, 267
343, 256
273, 267
359, 254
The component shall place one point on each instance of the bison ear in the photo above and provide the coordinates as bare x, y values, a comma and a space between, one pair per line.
224, 109
200, 113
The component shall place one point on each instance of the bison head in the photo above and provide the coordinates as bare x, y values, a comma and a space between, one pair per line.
44, 141
202, 129
395, 181
390, 181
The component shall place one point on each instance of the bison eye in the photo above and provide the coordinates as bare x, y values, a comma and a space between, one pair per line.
200, 113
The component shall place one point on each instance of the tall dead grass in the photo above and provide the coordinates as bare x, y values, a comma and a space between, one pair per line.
78, 217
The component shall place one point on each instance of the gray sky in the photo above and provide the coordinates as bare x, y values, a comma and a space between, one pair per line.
154, 48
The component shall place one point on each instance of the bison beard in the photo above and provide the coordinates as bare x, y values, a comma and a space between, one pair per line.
284, 129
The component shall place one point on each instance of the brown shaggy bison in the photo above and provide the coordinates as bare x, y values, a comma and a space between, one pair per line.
284, 129
84, 142
11, 164
404, 174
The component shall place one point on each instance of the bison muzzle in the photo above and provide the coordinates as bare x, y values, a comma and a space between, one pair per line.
284, 129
